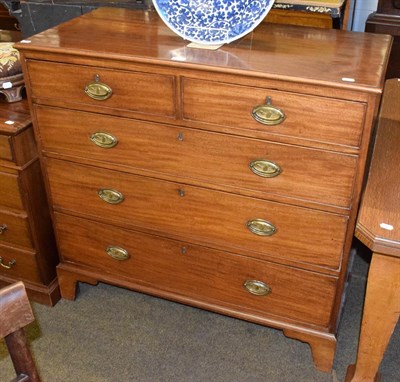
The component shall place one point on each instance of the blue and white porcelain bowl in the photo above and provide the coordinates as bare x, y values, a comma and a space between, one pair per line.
212, 22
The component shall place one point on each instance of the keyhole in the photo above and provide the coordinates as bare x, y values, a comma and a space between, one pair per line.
180, 136
181, 192
183, 250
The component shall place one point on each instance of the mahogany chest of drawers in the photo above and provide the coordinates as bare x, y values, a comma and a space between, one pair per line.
27, 246
227, 180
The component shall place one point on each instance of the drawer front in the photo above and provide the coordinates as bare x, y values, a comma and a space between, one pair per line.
197, 272
19, 264
10, 193
306, 117
218, 158
139, 92
5, 148
14, 229
200, 214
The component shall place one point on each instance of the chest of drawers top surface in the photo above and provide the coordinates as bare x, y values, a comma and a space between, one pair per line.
336, 58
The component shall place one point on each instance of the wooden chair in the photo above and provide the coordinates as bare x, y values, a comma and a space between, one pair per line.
15, 314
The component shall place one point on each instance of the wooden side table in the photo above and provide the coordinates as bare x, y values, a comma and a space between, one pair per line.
378, 227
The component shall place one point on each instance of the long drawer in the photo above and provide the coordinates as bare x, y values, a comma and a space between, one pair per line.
252, 226
14, 229
124, 90
315, 175
19, 264
10, 192
308, 118
197, 272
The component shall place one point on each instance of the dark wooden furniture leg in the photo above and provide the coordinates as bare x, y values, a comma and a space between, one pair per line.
15, 314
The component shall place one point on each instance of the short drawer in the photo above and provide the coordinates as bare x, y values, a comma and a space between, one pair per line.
19, 264
145, 93
14, 229
306, 117
10, 192
5, 148
244, 163
212, 217
197, 272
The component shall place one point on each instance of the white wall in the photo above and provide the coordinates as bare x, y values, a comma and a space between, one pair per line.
362, 10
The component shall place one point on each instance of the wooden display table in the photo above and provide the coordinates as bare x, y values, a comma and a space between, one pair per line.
378, 227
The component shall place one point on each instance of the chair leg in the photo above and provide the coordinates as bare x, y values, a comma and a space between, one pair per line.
21, 356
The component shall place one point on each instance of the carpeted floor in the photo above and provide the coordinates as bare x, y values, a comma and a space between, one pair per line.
114, 335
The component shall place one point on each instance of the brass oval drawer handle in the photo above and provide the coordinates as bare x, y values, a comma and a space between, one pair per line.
10, 264
268, 114
117, 253
257, 288
110, 196
98, 90
103, 140
261, 227
3, 228
265, 168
